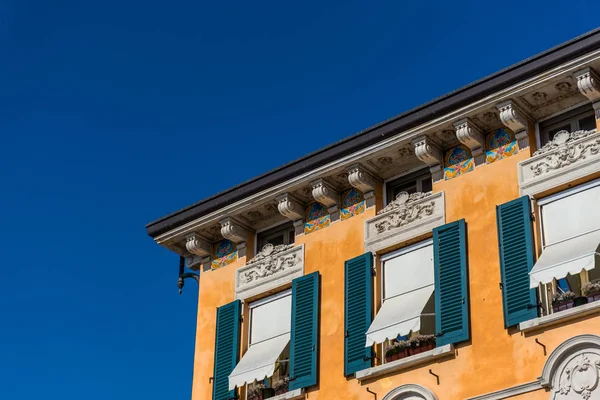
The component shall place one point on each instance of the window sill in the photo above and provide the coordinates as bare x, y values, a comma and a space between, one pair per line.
291, 395
560, 317
405, 363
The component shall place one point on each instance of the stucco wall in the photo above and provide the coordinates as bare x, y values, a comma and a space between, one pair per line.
494, 359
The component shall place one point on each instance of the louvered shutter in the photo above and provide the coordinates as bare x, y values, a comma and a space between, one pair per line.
515, 240
451, 283
227, 349
304, 339
358, 314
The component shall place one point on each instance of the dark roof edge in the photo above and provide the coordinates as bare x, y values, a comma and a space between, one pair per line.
409, 119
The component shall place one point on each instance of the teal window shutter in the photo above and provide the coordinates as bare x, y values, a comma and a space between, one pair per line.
304, 337
515, 241
358, 314
227, 349
451, 283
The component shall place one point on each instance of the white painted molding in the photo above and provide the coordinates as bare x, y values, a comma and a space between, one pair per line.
560, 317
233, 230
410, 392
406, 363
360, 179
470, 136
295, 394
518, 89
510, 392
407, 217
572, 370
569, 156
195, 244
427, 152
325, 194
588, 84
271, 268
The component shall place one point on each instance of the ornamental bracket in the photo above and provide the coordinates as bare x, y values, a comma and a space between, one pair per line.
588, 83
468, 134
516, 120
430, 154
326, 195
359, 178
292, 209
236, 232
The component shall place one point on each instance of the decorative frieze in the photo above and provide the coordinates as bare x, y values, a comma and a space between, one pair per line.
326, 195
405, 218
272, 267
515, 120
360, 179
234, 231
569, 156
195, 244
428, 152
470, 136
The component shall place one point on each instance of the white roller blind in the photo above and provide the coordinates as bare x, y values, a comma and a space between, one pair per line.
270, 319
570, 216
408, 271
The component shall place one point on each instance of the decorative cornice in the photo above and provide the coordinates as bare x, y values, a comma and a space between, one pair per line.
511, 116
468, 134
290, 207
325, 194
359, 178
588, 84
232, 230
195, 244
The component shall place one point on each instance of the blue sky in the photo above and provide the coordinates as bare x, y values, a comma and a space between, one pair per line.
115, 113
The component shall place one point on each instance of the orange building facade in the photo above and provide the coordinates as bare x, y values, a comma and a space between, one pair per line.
449, 253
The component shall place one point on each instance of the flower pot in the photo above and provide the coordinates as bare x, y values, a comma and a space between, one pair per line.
255, 397
280, 391
579, 301
565, 305
593, 297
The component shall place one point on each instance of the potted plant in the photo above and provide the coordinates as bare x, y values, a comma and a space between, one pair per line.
396, 351
562, 301
256, 392
421, 343
281, 386
591, 291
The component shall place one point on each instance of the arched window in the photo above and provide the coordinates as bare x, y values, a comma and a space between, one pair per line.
410, 392
572, 370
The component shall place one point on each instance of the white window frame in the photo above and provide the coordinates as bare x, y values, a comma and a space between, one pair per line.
573, 121
546, 290
419, 182
268, 228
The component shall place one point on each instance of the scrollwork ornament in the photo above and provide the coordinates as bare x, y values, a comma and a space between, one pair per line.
564, 153
579, 378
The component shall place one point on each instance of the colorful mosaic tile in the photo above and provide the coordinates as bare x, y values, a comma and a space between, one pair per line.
458, 161
500, 144
353, 203
225, 254
317, 218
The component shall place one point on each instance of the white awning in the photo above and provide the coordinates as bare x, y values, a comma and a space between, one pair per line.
258, 362
570, 256
399, 315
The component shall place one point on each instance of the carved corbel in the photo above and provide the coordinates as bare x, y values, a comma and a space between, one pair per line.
360, 179
427, 152
468, 134
234, 231
515, 120
588, 84
195, 244
325, 194
293, 209
194, 263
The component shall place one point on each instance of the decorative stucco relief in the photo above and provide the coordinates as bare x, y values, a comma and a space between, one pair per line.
407, 217
568, 156
272, 267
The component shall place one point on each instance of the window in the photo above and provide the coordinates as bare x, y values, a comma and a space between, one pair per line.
408, 308
419, 181
265, 365
581, 118
570, 233
281, 234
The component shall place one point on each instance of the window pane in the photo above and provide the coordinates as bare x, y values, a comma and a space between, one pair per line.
554, 131
276, 240
587, 123
427, 185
